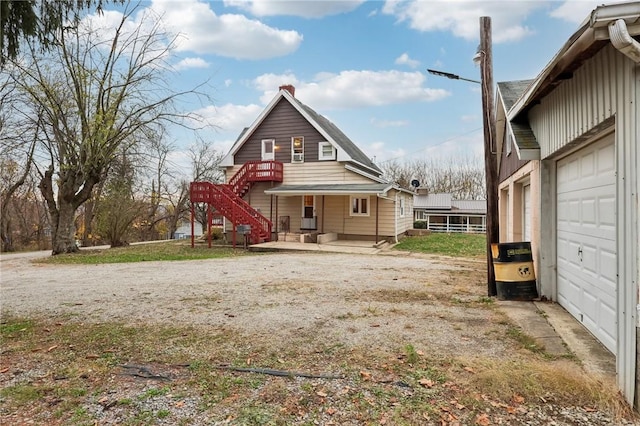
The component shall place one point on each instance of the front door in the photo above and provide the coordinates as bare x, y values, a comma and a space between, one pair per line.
268, 149
308, 212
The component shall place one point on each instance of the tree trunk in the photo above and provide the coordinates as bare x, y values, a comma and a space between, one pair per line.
5, 236
63, 234
62, 216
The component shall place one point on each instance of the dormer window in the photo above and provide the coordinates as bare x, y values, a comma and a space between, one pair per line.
297, 149
326, 151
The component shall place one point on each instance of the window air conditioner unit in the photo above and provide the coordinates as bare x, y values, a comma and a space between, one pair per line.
298, 157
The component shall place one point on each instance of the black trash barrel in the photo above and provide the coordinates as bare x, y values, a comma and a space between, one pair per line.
513, 267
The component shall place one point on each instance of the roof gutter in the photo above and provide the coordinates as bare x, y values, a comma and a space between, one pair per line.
616, 23
622, 40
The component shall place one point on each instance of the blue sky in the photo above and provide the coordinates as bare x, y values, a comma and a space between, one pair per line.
362, 64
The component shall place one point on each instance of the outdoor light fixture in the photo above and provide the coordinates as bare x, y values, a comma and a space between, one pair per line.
451, 76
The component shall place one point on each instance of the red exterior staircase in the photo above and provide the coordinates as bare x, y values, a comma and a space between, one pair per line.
227, 198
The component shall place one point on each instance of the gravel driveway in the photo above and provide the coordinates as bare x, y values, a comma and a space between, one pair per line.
370, 303
386, 298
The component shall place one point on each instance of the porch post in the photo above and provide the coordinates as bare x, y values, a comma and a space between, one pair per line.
377, 217
192, 228
322, 220
209, 220
277, 220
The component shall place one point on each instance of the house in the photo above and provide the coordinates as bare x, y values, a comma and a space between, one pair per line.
293, 172
440, 213
574, 131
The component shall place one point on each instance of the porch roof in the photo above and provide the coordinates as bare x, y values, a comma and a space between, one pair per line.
331, 189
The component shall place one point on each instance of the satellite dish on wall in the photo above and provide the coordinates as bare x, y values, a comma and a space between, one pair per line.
415, 183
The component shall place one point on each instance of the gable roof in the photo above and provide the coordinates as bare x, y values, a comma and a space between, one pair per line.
347, 151
510, 91
525, 143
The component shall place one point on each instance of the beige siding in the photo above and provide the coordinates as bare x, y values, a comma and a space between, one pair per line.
338, 218
329, 172
405, 223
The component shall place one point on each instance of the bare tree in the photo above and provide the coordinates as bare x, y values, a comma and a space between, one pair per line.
205, 162
462, 177
118, 207
98, 90
17, 147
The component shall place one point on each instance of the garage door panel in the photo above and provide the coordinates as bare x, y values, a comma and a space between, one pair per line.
586, 238
590, 211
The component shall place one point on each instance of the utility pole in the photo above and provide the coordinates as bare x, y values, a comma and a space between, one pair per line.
490, 163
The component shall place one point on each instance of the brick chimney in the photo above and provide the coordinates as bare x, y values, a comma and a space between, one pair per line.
289, 88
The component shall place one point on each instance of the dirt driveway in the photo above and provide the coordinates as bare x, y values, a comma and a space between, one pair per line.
412, 337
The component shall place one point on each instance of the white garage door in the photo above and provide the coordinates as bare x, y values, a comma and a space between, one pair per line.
587, 269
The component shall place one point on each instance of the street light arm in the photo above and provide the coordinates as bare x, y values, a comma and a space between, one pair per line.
451, 76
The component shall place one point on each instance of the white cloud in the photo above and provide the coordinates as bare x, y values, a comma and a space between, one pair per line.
304, 9
382, 124
379, 152
190, 63
404, 59
228, 35
229, 118
574, 11
461, 18
354, 89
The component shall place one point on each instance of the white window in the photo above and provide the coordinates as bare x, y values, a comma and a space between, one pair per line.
326, 151
297, 149
359, 206
402, 206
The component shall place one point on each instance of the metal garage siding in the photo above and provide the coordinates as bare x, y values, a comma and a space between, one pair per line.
598, 90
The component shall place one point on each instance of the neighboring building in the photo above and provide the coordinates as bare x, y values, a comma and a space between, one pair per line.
518, 155
581, 113
294, 172
443, 214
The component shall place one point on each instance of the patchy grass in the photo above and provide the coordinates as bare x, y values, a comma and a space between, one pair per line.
165, 251
58, 372
457, 245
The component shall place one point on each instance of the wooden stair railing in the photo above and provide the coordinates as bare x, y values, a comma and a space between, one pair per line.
227, 198
255, 171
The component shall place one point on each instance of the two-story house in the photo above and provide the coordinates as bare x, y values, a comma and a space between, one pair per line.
293, 171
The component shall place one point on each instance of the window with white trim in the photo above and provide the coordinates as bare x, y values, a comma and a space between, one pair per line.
297, 149
359, 206
402, 206
326, 151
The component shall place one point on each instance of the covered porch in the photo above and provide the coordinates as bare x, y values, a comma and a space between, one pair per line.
324, 213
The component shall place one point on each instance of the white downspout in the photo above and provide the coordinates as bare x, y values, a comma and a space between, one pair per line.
622, 40
626, 359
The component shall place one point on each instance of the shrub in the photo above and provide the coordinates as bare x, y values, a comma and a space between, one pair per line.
420, 224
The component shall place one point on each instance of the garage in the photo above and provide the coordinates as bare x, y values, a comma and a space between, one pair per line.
586, 238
